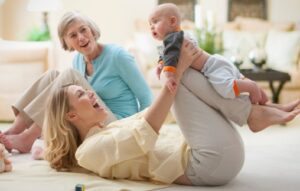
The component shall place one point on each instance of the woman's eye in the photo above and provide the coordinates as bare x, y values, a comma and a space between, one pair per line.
73, 36
83, 29
81, 93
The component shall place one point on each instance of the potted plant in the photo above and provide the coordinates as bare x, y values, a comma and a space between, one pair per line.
38, 34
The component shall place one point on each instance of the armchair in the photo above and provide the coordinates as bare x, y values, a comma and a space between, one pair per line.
20, 64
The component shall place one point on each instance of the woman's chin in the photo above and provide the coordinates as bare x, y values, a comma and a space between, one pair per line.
104, 115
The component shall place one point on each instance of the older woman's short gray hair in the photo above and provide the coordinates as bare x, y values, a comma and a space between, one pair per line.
69, 18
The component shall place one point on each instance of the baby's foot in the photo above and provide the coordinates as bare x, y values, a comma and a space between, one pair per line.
262, 117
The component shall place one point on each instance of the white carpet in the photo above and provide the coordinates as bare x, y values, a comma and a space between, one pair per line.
272, 161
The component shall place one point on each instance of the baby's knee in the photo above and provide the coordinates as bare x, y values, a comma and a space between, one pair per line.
225, 91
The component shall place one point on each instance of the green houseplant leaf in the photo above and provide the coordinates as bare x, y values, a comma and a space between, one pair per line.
37, 34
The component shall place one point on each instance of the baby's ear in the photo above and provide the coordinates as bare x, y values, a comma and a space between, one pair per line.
174, 21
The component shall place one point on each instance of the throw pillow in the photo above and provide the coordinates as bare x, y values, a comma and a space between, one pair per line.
283, 49
242, 42
253, 24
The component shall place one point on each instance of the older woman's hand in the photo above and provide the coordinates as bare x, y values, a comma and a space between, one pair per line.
188, 54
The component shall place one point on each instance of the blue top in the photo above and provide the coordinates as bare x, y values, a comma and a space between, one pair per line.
117, 81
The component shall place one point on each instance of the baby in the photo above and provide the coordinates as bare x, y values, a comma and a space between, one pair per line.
222, 74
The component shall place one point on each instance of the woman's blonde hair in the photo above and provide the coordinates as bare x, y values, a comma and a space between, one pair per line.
69, 18
61, 137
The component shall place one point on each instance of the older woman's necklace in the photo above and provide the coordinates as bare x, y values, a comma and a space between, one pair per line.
89, 68
89, 63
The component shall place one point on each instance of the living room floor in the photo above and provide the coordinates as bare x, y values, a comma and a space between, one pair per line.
271, 161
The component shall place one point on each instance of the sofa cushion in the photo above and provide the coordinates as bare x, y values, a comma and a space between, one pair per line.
6, 100
18, 51
255, 24
19, 75
242, 42
283, 50
21, 63
252, 24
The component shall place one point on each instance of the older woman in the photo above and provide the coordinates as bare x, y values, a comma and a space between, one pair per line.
110, 70
211, 155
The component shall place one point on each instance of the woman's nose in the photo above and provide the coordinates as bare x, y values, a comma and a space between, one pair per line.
80, 36
90, 94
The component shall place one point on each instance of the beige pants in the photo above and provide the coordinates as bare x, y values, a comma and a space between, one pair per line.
31, 105
217, 152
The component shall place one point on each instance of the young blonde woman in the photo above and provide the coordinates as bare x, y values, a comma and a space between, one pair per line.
132, 148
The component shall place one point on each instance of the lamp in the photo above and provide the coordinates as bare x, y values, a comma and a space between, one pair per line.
44, 6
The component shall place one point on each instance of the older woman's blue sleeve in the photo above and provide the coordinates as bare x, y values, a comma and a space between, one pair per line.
131, 74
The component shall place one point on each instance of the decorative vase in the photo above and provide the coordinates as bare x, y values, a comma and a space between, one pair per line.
258, 58
237, 60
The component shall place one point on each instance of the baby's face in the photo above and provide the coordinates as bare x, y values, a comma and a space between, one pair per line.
160, 25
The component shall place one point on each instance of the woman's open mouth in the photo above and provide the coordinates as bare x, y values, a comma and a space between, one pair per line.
84, 45
97, 106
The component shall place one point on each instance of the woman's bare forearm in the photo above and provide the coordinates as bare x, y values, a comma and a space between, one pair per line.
160, 108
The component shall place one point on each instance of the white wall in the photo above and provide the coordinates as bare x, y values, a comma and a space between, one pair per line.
278, 10
287, 10
116, 18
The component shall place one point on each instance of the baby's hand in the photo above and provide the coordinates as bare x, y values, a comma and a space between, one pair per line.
264, 97
172, 85
159, 68
171, 81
